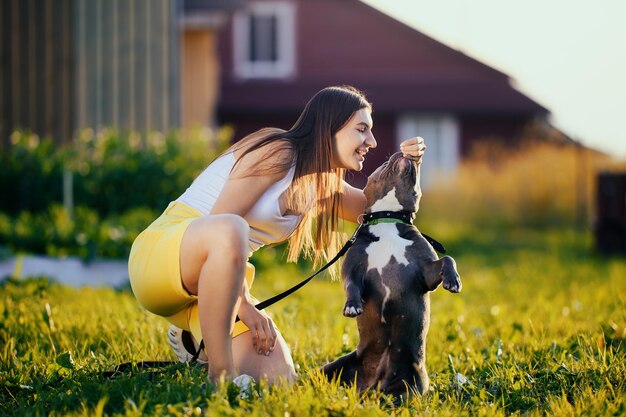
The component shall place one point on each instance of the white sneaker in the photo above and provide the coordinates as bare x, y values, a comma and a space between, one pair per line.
184, 345
245, 383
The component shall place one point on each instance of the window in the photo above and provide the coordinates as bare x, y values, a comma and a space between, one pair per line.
441, 134
264, 40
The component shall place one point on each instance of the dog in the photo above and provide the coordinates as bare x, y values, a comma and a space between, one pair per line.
388, 274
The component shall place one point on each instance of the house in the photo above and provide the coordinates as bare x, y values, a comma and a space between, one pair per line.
142, 64
275, 54
161, 64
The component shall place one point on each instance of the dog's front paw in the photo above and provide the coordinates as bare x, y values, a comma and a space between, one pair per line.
353, 308
452, 282
450, 275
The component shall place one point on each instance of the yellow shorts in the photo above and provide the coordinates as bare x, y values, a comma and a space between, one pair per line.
154, 270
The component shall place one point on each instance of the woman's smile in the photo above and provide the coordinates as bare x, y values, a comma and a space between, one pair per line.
354, 140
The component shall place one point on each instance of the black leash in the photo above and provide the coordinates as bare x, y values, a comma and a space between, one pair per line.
366, 219
125, 367
404, 216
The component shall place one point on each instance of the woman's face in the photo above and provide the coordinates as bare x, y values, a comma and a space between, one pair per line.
353, 141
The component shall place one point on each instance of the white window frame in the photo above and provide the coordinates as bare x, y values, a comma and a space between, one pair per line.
284, 67
441, 132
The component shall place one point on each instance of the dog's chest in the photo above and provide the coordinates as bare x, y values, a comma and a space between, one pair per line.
389, 246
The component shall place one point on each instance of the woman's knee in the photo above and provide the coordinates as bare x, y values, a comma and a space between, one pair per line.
283, 366
226, 236
277, 367
220, 240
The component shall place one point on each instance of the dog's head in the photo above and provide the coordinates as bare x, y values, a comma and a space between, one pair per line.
394, 186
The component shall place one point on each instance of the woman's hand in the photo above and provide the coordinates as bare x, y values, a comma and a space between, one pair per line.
262, 327
413, 148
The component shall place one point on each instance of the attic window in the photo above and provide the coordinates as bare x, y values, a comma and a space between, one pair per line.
264, 45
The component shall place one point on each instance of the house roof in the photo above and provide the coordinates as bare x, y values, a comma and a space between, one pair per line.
399, 68
452, 96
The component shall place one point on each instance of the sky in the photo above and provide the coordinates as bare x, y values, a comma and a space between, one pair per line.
567, 55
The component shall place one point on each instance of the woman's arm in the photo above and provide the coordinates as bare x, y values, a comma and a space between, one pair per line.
352, 203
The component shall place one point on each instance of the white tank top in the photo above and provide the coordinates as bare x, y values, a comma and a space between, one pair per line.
267, 224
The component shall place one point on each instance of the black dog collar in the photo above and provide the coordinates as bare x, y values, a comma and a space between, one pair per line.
403, 216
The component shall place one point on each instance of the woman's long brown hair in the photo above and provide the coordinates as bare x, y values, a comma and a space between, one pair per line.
316, 189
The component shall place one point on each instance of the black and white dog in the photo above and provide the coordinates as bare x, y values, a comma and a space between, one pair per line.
388, 274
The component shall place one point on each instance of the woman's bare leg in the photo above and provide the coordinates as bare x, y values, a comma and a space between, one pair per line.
213, 259
275, 367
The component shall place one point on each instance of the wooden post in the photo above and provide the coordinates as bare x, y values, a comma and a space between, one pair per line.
68, 192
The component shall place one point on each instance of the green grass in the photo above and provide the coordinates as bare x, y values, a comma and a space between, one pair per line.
539, 329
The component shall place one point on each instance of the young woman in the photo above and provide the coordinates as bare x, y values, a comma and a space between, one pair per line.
190, 265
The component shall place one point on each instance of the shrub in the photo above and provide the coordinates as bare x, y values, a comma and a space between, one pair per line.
53, 232
31, 174
112, 171
121, 183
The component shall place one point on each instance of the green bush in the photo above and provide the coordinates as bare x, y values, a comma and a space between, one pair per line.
31, 174
53, 232
121, 182
112, 171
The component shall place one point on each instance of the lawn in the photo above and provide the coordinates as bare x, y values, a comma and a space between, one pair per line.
538, 329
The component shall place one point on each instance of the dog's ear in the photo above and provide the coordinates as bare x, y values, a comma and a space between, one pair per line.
375, 190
